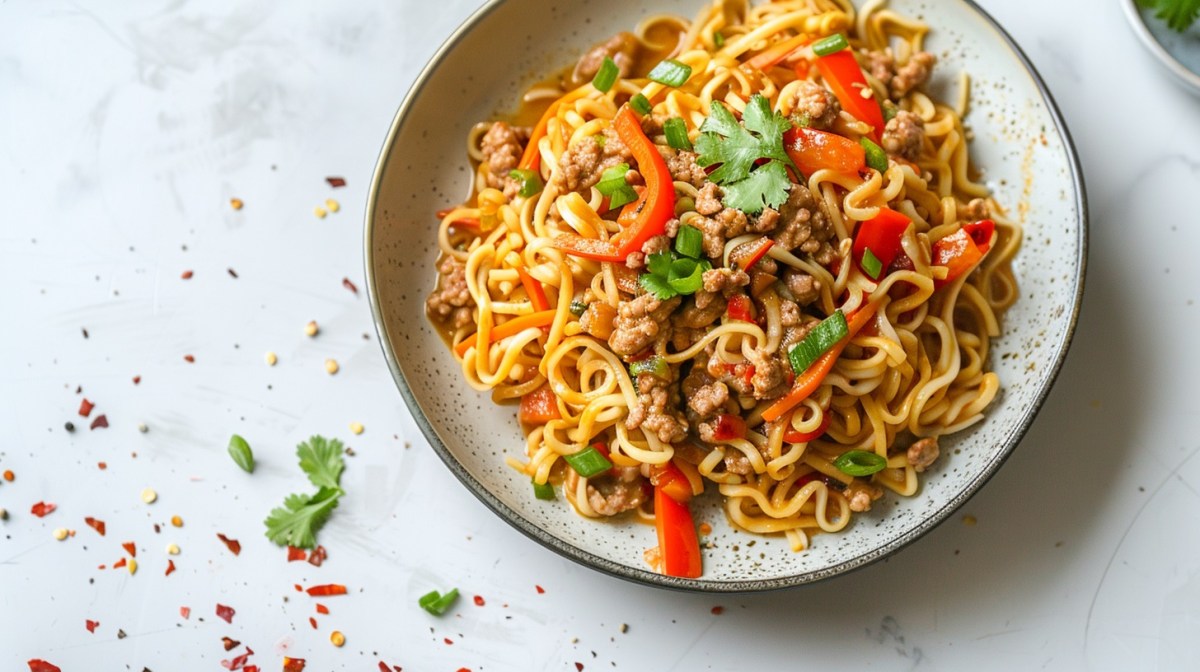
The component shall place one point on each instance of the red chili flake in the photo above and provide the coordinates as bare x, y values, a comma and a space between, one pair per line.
479, 600
336, 182
97, 525
225, 613
119, 563
232, 273
238, 662
85, 407
718, 610
464, 669
102, 465
185, 612
42, 508
579, 666
186, 275
448, 641
540, 589
101, 422
170, 567
250, 668
327, 589
137, 379
230, 644
318, 556
189, 359
129, 548
322, 609
8, 475
91, 625
295, 554
349, 285
383, 667
232, 544
39, 665
293, 664
312, 621
298, 588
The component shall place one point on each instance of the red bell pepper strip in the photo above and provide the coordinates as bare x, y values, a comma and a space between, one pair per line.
729, 427
539, 406
509, 328
881, 235
959, 253
767, 58
678, 545
808, 382
981, 232
842, 74
794, 436
671, 480
811, 150
739, 307
537, 295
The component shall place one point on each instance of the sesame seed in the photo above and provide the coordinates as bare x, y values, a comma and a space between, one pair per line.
149, 495
356, 427
333, 205
143, 428
60, 533
172, 549
320, 212
132, 565
177, 521
236, 203
311, 328
337, 638
271, 358
331, 366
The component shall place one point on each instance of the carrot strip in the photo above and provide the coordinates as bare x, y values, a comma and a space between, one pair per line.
777, 52
509, 328
537, 295
532, 159
813, 376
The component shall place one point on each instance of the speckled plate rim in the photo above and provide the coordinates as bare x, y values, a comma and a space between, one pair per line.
1181, 72
647, 577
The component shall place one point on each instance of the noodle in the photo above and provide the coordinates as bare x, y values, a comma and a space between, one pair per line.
678, 392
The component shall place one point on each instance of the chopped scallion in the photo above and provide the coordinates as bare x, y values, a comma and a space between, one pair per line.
437, 603
640, 104
718, 39
578, 308
860, 463
818, 341
671, 73
606, 76
871, 264
531, 182
876, 157
654, 365
830, 45
689, 242
588, 462
889, 110
613, 185
543, 491
687, 275
677, 135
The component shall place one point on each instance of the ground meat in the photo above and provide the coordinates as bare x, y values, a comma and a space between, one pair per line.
765, 221
795, 334
451, 302
727, 223
736, 376
805, 288
622, 48
705, 396
904, 135
861, 495
770, 375
737, 463
725, 280
881, 65
708, 201
585, 161
697, 316
789, 313
502, 147
683, 166
683, 337
655, 245
639, 323
656, 412
815, 106
622, 489
804, 225
976, 210
923, 453
912, 74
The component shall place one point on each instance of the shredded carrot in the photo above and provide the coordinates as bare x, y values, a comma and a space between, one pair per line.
777, 52
509, 328
537, 295
532, 159
814, 375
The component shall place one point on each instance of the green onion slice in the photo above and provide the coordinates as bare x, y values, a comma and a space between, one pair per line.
655, 366
687, 275
578, 308
689, 242
437, 603
531, 182
588, 462
889, 110
640, 104
876, 157
830, 45
718, 39
871, 264
606, 76
671, 73
613, 185
677, 135
543, 491
818, 341
860, 463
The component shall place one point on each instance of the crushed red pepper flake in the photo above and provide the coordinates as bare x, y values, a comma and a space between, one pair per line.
225, 613
39, 665
479, 600
248, 668
232, 544
91, 625
230, 644
448, 641
120, 563
102, 465
539, 589
327, 589
170, 567
189, 359
97, 525
185, 612
350, 285
322, 609
298, 588
312, 621
137, 379
578, 666
8, 475
293, 664
718, 610
41, 509
318, 556
186, 275
238, 662
85, 407
100, 422
294, 554
336, 182
130, 548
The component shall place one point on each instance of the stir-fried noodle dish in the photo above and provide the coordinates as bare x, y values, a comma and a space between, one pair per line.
744, 254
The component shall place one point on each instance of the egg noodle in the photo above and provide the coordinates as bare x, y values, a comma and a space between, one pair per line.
912, 365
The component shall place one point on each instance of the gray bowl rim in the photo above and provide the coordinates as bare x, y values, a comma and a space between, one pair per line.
644, 576
1184, 76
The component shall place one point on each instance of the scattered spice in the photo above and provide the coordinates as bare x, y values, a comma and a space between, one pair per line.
320, 212
185, 612
448, 641
271, 358
186, 275
132, 565
236, 203
294, 554
479, 601
293, 664
60, 533
170, 567
350, 285
119, 563
318, 556
149, 495
85, 407
225, 613
121, 634
333, 205
129, 548
172, 549
232, 544
326, 590
70, 426
311, 329
230, 644
8, 475
100, 422
331, 366
969, 520
39, 665
176, 521
540, 589
313, 622
232, 273
143, 428
322, 609
336, 182
718, 610
356, 427
578, 666
238, 661
85, 331
42, 508
91, 625
137, 380
3, 513
624, 628
102, 465
189, 359
337, 638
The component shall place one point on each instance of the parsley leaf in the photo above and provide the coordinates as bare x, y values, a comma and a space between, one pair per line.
739, 147
767, 185
1179, 14
297, 521
322, 461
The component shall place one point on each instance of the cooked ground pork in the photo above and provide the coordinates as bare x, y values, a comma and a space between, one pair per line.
451, 302
977, 209
726, 224
655, 245
705, 396
737, 463
656, 411
804, 225
923, 453
683, 166
622, 489
622, 48
861, 495
502, 147
639, 322
770, 375
912, 74
904, 135
805, 288
697, 316
585, 161
708, 201
815, 106
881, 65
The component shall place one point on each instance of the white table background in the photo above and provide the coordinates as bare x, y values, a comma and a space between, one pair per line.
125, 128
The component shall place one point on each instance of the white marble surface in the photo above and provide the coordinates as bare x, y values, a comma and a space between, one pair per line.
125, 128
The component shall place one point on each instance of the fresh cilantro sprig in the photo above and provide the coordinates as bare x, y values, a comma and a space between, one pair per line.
1179, 14
297, 521
675, 273
738, 148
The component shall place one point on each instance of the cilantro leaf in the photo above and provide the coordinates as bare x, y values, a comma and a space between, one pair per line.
766, 185
322, 461
658, 285
297, 521
659, 263
736, 147
1179, 14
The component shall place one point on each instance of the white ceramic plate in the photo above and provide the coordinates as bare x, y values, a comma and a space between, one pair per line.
1020, 143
